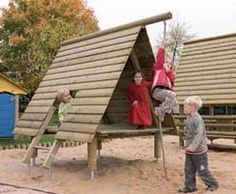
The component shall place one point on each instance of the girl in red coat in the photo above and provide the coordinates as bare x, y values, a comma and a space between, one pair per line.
162, 87
139, 110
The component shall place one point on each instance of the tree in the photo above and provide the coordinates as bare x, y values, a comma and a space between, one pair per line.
31, 32
176, 34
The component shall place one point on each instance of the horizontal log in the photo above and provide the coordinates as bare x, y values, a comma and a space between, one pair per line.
84, 118
206, 73
87, 109
91, 101
206, 42
205, 82
41, 102
217, 125
82, 79
37, 109
93, 52
99, 64
101, 57
33, 116
29, 124
208, 55
103, 44
25, 131
150, 20
80, 86
208, 49
44, 96
95, 93
204, 67
229, 101
213, 117
85, 72
207, 92
231, 98
74, 136
79, 127
207, 60
104, 38
222, 147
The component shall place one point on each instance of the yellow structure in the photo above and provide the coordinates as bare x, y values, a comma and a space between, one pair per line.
7, 85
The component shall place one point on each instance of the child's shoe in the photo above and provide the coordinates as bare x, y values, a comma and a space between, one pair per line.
212, 188
184, 190
159, 113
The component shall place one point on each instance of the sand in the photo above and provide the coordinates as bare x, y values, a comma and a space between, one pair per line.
126, 166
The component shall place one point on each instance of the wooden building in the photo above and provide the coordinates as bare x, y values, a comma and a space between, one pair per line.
208, 69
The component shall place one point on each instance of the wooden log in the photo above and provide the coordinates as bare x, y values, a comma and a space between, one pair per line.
150, 20
93, 52
48, 102
85, 72
29, 124
222, 147
104, 38
33, 116
95, 93
88, 65
25, 131
91, 101
37, 109
207, 92
79, 109
101, 57
92, 155
97, 45
218, 117
82, 79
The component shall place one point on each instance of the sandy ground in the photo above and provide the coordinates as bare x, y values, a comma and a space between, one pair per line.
126, 166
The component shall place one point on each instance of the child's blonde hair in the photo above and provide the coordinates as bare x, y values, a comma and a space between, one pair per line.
61, 93
194, 100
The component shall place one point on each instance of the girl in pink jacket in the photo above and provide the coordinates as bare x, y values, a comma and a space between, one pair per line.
162, 87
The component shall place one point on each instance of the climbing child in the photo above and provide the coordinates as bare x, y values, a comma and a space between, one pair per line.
139, 109
163, 82
196, 148
64, 97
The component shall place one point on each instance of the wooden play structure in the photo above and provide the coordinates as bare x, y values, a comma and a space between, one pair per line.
96, 67
207, 69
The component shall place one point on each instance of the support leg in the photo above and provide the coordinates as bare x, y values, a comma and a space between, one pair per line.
99, 148
92, 157
34, 156
157, 146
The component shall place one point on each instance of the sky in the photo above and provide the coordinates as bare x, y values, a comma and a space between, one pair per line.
205, 18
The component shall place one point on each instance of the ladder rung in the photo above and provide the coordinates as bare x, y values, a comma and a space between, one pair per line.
42, 148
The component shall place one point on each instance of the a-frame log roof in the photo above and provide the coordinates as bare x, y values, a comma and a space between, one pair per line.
208, 69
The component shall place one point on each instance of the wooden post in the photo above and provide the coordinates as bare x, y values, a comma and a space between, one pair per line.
99, 147
157, 150
92, 157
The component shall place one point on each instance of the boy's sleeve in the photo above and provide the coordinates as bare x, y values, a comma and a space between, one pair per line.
160, 59
198, 136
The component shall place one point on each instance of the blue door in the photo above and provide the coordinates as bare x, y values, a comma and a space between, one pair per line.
7, 114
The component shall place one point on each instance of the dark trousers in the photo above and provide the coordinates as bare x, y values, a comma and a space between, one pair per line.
194, 164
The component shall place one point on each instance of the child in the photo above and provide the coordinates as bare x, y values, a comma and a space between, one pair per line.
139, 110
163, 82
196, 148
64, 97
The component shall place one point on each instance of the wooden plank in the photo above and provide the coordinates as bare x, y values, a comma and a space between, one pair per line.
208, 55
209, 77
101, 57
192, 68
205, 82
79, 127
213, 97
83, 118
218, 117
95, 93
97, 39
80, 86
37, 109
87, 65
93, 52
91, 101
29, 124
220, 87
210, 42
33, 116
117, 109
105, 43
206, 60
111, 68
207, 92
48, 102
49, 95
98, 109
25, 131
74, 136
208, 49
206, 73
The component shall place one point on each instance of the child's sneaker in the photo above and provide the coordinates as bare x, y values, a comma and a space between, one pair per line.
184, 190
212, 188
159, 113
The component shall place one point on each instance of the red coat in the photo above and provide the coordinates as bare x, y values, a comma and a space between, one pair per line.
160, 76
140, 113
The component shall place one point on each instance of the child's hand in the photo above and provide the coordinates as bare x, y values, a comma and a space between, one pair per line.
135, 102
